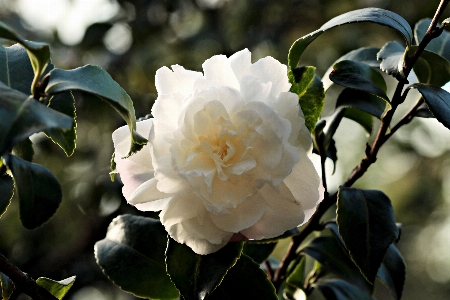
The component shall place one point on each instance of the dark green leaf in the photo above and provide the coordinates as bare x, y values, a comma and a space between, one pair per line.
57, 288
336, 289
6, 192
16, 70
367, 225
392, 57
369, 103
94, 80
7, 286
297, 276
38, 189
246, 280
64, 103
259, 252
374, 15
423, 111
333, 126
132, 256
392, 271
332, 255
359, 76
432, 68
39, 53
197, 276
438, 101
21, 116
362, 118
439, 45
24, 150
309, 88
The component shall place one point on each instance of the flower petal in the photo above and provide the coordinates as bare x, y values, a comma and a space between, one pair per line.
218, 72
268, 69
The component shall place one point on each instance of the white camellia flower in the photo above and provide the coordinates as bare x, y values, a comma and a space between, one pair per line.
228, 154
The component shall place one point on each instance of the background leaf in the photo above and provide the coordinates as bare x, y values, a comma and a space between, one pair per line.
6, 192
24, 150
38, 189
393, 271
374, 15
57, 288
439, 45
367, 225
132, 256
336, 289
259, 252
197, 276
432, 68
7, 286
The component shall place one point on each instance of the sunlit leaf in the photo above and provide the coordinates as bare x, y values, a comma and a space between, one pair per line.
337, 289
309, 88
367, 225
392, 271
6, 192
7, 286
132, 256
95, 81
197, 276
57, 288
369, 103
374, 15
38, 189
245, 280
259, 252
439, 45
392, 57
438, 101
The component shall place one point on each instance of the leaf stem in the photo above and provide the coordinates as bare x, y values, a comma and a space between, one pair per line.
371, 151
23, 282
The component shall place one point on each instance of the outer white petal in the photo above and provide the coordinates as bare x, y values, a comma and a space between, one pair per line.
218, 72
240, 63
188, 222
268, 69
305, 185
147, 192
179, 80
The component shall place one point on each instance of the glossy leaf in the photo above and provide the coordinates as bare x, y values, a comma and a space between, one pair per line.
16, 70
392, 57
367, 225
104, 87
392, 271
38, 190
246, 280
24, 150
369, 103
336, 289
309, 88
332, 255
197, 276
66, 139
362, 118
359, 76
259, 252
373, 15
6, 285
439, 45
6, 192
57, 288
132, 256
20, 117
437, 99
39, 53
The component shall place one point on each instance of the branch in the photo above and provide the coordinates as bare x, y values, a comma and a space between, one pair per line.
23, 282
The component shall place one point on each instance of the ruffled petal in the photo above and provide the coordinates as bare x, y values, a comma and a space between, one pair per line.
241, 62
268, 69
218, 72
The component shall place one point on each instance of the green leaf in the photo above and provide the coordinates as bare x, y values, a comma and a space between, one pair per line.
57, 288
197, 276
367, 225
66, 139
16, 70
39, 53
336, 289
359, 76
94, 80
309, 88
438, 101
6, 285
392, 272
24, 150
439, 45
259, 252
432, 68
423, 111
21, 116
362, 118
6, 192
132, 256
369, 103
38, 189
332, 255
246, 280
374, 15
297, 276
392, 57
